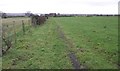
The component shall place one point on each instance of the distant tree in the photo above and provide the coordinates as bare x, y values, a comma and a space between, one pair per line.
28, 14
4, 15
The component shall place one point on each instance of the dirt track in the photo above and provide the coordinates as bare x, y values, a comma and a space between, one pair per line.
69, 44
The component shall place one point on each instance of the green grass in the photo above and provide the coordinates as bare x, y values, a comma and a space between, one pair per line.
0, 63
94, 38
40, 48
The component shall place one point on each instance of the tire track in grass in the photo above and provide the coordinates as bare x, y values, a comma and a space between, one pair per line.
69, 44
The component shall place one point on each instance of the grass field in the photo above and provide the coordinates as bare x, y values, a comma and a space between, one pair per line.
94, 41
9, 23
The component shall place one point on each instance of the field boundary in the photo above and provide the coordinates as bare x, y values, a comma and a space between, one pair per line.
10, 32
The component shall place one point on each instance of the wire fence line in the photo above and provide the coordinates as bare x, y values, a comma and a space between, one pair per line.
11, 27
10, 30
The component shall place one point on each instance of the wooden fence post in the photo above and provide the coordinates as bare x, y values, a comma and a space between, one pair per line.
14, 32
8, 33
23, 27
29, 22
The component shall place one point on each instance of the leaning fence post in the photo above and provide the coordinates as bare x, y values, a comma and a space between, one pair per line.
23, 27
14, 32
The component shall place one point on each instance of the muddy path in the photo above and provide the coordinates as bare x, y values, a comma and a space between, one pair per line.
70, 45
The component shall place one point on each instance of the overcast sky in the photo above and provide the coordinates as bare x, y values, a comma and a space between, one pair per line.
60, 6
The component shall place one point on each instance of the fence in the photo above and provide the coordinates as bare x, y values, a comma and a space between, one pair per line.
0, 37
10, 28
